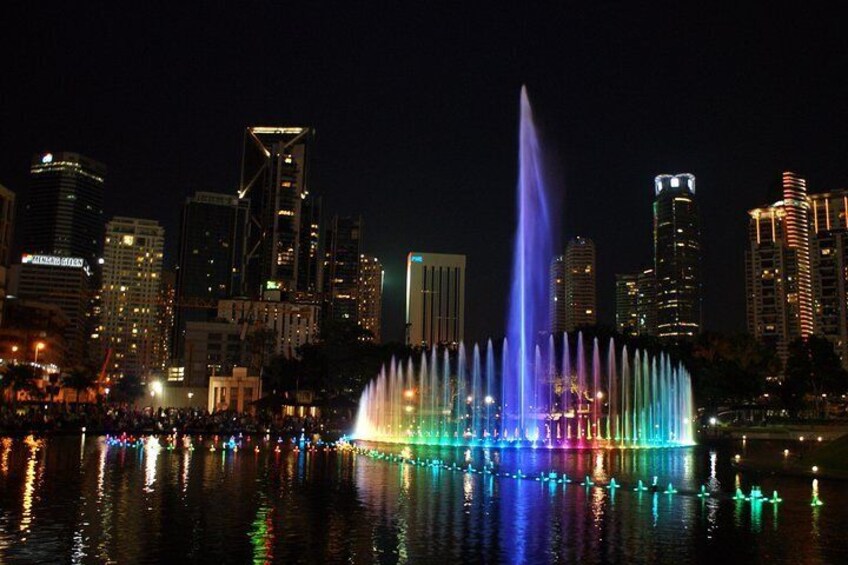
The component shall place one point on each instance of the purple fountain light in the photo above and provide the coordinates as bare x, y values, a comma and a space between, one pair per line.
528, 300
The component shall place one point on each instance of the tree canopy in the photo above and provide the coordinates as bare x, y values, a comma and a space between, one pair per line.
813, 369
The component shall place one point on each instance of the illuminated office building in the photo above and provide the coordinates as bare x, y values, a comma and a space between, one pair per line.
646, 302
435, 298
281, 244
677, 252
370, 295
7, 218
342, 270
64, 207
626, 304
64, 282
130, 319
210, 258
635, 303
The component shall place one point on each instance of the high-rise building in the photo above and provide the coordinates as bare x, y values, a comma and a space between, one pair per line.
7, 219
132, 271
64, 282
370, 294
341, 269
167, 311
677, 251
275, 176
778, 271
558, 304
210, 258
829, 263
627, 304
309, 247
64, 208
580, 293
435, 298
646, 302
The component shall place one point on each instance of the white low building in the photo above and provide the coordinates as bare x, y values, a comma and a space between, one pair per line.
234, 392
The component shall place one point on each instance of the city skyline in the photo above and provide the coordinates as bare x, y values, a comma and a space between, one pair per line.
590, 120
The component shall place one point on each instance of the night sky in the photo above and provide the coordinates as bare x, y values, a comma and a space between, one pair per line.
417, 116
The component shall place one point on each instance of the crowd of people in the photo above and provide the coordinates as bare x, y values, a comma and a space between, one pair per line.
113, 419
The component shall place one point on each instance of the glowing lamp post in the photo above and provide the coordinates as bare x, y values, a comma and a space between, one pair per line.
156, 389
40, 346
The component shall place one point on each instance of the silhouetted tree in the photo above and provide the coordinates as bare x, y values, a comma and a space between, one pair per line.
812, 369
732, 369
80, 379
127, 390
339, 364
19, 377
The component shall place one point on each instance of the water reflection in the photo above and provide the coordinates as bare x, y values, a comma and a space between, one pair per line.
94, 502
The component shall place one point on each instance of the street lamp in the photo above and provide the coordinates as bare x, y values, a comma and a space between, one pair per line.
39, 347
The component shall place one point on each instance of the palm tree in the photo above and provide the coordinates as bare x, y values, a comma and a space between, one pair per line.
18, 377
80, 379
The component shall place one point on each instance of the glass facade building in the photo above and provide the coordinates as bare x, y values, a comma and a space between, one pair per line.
677, 255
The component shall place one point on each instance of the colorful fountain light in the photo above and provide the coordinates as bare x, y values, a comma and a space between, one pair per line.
444, 399
546, 390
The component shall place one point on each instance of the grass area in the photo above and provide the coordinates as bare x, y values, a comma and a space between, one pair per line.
832, 456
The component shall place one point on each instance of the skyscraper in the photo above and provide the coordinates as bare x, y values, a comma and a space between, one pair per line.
370, 295
558, 305
64, 282
829, 263
778, 272
167, 312
627, 304
677, 251
64, 208
341, 269
275, 176
635, 303
309, 247
646, 302
580, 294
132, 271
210, 258
435, 298
7, 218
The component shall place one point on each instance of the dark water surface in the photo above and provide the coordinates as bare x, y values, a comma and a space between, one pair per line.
69, 499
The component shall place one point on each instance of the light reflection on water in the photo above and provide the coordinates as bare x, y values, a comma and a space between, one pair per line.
86, 501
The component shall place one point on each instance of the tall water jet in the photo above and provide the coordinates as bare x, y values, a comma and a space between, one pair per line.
528, 306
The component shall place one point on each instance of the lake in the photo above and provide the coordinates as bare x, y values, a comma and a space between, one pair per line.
82, 499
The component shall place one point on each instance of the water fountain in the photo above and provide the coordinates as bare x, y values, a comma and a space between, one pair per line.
547, 390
